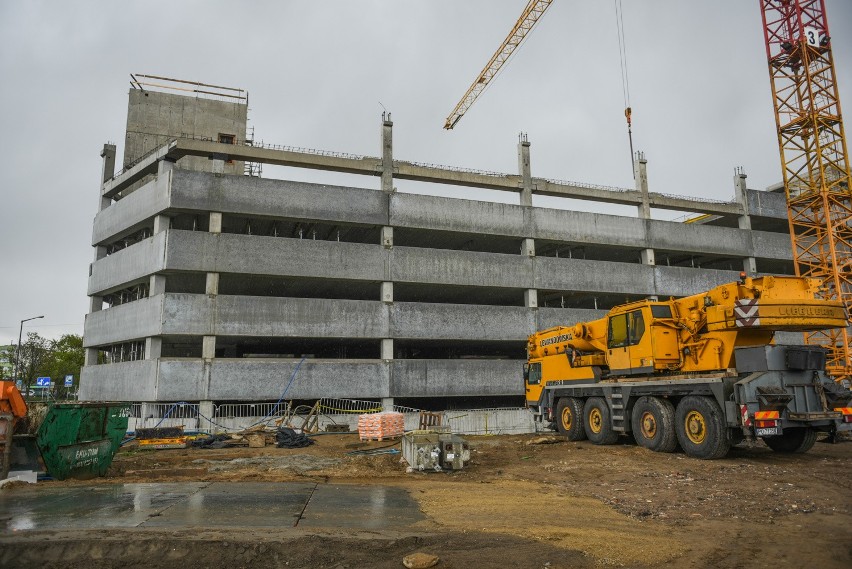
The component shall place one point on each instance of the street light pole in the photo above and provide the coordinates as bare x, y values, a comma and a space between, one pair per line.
18, 351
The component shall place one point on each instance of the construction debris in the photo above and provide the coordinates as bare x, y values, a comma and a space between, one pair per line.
288, 438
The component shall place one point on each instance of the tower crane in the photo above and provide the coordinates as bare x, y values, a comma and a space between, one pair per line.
812, 143
814, 158
532, 13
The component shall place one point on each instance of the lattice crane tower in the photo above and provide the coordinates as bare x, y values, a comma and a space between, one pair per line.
814, 157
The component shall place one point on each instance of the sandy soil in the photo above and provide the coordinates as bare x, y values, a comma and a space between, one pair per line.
516, 505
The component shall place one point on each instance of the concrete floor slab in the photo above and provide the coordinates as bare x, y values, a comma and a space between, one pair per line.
360, 507
243, 504
204, 504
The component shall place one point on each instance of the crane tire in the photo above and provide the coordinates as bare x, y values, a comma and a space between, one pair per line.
700, 428
569, 418
597, 421
653, 424
792, 441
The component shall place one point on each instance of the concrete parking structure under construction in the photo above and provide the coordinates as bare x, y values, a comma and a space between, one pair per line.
213, 285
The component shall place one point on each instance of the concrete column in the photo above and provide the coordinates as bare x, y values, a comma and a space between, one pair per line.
157, 285
524, 170
165, 166
147, 412
387, 154
744, 221
100, 252
531, 298
640, 174
640, 171
91, 357
205, 412
218, 166
161, 223
387, 349
387, 403
215, 222
107, 173
153, 348
96, 303
387, 292
208, 347
528, 247
212, 285
387, 237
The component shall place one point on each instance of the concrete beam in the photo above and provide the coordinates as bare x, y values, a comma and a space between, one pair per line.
144, 167
417, 265
452, 214
240, 380
372, 166
594, 276
125, 381
413, 320
224, 315
250, 195
131, 213
452, 378
131, 321
256, 255
767, 204
133, 264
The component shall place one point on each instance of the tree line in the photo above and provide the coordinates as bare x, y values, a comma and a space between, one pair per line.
40, 357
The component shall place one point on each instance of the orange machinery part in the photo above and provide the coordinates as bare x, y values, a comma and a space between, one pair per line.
11, 400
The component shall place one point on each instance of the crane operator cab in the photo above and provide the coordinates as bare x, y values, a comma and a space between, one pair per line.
641, 338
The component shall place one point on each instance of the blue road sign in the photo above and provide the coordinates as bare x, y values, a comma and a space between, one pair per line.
69, 381
42, 382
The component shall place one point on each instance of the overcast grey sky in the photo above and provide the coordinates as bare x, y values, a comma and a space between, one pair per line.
317, 71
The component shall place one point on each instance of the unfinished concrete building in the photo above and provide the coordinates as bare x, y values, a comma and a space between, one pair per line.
212, 285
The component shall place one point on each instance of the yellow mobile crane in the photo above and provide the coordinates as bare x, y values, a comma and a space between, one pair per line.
702, 371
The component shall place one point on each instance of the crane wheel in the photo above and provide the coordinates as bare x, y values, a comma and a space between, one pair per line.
653, 424
597, 422
792, 441
569, 418
700, 428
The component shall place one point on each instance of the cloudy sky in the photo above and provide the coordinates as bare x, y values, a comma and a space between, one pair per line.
319, 72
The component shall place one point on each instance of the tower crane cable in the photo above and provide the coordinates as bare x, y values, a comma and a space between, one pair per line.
625, 79
530, 16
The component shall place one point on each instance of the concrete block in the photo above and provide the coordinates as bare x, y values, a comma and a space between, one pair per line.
125, 381
772, 245
131, 321
449, 378
223, 315
452, 214
252, 379
128, 265
412, 264
767, 204
592, 228
131, 212
412, 320
247, 195
593, 276
256, 255
685, 281
387, 292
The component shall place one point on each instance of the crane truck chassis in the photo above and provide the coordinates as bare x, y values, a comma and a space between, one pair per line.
701, 372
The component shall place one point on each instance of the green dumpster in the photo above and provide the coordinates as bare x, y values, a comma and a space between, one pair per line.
74, 440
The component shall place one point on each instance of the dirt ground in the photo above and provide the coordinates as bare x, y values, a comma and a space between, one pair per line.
552, 504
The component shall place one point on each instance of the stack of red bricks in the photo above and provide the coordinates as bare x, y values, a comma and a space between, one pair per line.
380, 426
